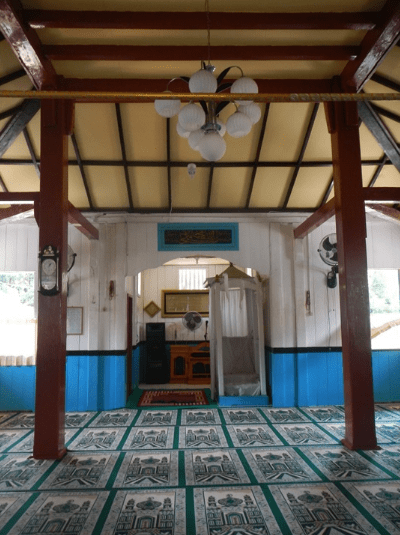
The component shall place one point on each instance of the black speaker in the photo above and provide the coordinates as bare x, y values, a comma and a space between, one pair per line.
157, 368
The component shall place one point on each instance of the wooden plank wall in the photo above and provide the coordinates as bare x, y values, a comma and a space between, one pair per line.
290, 268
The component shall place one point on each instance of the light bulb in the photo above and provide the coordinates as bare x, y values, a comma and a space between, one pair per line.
238, 124
191, 117
212, 147
244, 85
202, 81
167, 108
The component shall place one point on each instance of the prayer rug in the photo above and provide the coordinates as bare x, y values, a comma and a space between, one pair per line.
172, 398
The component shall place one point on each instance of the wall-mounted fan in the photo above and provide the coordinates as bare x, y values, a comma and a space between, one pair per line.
328, 253
192, 320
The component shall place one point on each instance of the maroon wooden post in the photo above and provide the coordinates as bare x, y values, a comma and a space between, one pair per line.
56, 118
353, 280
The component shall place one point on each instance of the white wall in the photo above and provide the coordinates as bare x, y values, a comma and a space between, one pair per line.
290, 269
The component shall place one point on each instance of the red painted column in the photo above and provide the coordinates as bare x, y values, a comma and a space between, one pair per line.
56, 118
353, 281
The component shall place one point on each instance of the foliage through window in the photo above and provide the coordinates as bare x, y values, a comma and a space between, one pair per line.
17, 318
384, 302
192, 278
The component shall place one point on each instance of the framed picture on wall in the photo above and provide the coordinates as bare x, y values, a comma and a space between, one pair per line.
74, 320
175, 303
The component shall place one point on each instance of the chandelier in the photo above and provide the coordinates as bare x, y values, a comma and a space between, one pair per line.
200, 122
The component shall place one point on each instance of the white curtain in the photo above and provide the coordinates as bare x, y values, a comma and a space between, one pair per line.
18, 341
234, 313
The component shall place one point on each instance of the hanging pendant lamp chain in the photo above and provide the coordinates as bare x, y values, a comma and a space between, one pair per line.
207, 8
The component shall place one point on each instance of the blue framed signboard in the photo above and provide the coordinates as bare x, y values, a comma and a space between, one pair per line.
198, 236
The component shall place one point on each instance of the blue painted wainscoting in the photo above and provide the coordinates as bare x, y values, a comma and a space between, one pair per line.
95, 381
314, 376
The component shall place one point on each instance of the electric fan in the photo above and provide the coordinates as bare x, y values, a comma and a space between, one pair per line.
192, 320
328, 253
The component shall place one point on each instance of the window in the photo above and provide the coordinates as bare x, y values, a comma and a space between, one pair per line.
139, 283
17, 318
384, 302
192, 278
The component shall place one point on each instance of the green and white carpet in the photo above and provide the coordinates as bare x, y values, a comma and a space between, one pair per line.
202, 471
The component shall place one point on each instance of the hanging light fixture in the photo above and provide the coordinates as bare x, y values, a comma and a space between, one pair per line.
199, 122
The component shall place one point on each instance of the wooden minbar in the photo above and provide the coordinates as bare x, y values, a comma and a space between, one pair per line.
190, 364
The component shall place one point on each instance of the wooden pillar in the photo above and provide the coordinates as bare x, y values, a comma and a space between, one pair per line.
353, 281
56, 120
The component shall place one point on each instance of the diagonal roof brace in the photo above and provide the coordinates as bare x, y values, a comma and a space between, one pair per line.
17, 123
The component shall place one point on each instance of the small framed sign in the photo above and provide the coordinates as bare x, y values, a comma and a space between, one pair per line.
74, 320
198, 236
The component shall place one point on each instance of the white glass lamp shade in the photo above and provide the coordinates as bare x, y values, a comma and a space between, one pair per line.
222, 130
167, 108
253, 112
202, 81
181, 131
238, 124
212, 147
191, 117
244, 85
194, 138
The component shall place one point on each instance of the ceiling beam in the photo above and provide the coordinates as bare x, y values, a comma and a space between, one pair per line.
319, 217
3, 184
301, 155
16, 210
31, 151
381, 194
12, 76
81, 169
169, 20
8, 113
155, 85
381, 133
258, 152
24, 197
374, 47
123, 153
385, 82
386, 113
76, 218
17, 124
378, 170
26, 45
199, 53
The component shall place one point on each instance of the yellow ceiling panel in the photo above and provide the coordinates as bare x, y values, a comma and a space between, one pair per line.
9, 62
367, 172
319, 145
270, 186
92, 36
19, 177
96, 131
389, 177
149, 187
276, 6
23, 84
370, 149
393, 127
230, 187
108, 187
144, 132
390, 67
172, 69
310, 187
390, 105
284, 132
189, 192
19, 149
76, 190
